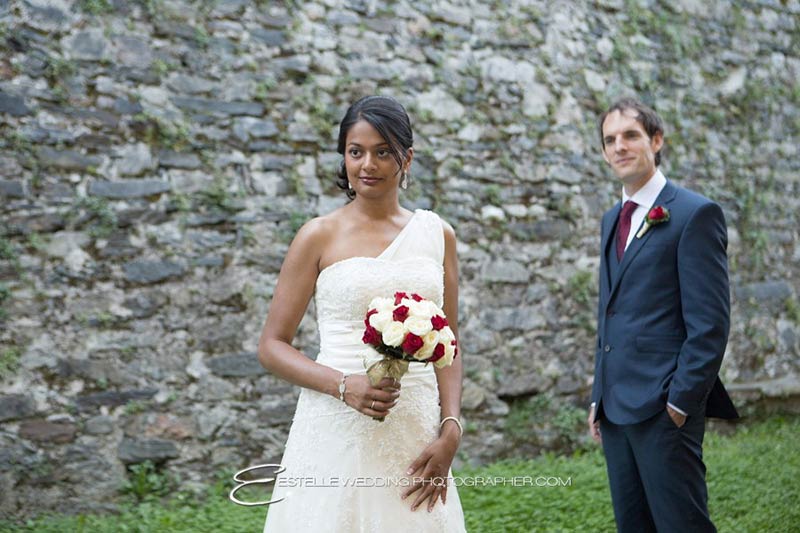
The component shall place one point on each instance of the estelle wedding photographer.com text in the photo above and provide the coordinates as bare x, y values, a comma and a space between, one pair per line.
274, 478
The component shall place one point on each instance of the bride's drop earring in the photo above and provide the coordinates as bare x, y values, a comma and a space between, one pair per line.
404, 181
349, 186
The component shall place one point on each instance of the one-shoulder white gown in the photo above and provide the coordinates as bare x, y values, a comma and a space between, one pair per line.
345, 471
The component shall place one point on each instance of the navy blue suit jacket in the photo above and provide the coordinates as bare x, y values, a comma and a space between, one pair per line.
663, 321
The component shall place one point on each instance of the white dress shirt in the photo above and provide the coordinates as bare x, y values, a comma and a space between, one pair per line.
644, 199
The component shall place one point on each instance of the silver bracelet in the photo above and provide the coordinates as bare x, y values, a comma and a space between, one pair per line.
457, 421
342, 386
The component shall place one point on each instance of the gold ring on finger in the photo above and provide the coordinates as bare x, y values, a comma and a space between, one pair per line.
372, 405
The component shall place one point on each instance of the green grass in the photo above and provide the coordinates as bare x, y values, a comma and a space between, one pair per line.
212, 513
583, 505
752, 481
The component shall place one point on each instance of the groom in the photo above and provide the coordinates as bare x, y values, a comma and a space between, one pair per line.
663, 319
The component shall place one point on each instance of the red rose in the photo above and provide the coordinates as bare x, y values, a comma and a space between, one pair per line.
371, 336
399, 296
438, 322
455, 353
438, 353
412, 343
657, 213
369, 314
400, 313
416, 297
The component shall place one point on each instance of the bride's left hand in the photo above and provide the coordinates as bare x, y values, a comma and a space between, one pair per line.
429, 472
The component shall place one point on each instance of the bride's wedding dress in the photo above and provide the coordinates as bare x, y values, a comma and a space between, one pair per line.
345, 472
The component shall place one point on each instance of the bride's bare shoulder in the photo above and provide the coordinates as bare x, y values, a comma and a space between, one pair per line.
319, 230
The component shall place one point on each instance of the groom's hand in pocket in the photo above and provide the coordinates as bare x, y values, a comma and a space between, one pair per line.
676, 417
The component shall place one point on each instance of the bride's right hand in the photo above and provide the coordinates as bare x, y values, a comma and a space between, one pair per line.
372, 401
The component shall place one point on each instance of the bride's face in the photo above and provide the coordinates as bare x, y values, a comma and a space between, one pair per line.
371, 167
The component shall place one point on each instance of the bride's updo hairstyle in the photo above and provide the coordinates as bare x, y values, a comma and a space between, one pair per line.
389, 119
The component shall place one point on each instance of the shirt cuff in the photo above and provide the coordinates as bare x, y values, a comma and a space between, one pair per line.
592, 405
677, 409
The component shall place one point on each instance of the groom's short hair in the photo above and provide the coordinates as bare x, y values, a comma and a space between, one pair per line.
645, 116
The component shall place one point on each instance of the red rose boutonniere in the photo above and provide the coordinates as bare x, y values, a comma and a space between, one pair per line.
656, 215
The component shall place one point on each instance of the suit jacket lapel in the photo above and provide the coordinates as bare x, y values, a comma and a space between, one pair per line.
608, 231
665, 197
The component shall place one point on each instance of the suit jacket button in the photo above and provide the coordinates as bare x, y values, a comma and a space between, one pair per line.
610, 312
607, 348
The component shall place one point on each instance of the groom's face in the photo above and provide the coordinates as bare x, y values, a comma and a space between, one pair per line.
628, 149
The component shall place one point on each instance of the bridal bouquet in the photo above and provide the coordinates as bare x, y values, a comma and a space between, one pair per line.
404, 329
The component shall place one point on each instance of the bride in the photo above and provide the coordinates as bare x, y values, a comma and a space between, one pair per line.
345, 471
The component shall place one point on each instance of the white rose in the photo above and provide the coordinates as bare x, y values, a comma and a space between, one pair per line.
380, 320
414, 308
431, 308
382, 304
394, 334
447, 335
386, 305
419, 325
430, 340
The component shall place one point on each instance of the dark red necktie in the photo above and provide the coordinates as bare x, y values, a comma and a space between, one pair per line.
624, 226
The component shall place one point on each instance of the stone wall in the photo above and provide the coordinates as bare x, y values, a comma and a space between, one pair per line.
157, 157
